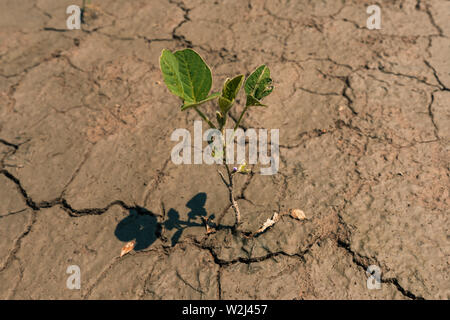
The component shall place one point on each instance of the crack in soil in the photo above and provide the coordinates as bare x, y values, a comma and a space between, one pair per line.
364, 262
17, 243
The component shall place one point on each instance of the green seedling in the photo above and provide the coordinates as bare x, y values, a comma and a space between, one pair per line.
187, 76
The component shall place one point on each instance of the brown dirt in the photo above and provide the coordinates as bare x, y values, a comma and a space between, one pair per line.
85, 124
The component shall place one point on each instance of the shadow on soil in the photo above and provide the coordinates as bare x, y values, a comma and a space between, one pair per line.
143, 226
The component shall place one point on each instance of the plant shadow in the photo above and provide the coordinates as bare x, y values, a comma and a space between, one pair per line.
142, 225
197, 210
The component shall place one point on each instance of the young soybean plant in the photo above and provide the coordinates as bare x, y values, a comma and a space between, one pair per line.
189, 77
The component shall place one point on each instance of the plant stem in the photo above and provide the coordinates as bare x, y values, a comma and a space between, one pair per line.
230, 174
204, 117
233, 202
230, 185
240, 118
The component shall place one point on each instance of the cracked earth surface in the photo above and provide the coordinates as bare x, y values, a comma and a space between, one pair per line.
85, 124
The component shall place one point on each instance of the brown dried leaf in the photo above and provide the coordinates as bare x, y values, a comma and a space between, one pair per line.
209, 229
127, 248
298, 214
269, 222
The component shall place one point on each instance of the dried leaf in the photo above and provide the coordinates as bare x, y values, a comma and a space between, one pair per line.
209, 229
127, 248
269, 222
298, 214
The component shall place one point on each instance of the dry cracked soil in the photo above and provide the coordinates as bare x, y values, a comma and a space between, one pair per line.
85, 167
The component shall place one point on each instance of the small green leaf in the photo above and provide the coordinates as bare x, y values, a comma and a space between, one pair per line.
258, 85
187, 76
194, 104
225, 104
232, 87
229, 93
251, 101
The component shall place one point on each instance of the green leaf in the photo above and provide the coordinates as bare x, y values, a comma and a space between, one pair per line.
169, 68
251, 101
194, 104
229, 93
232, 87
187, 76
258, 85
225, 104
